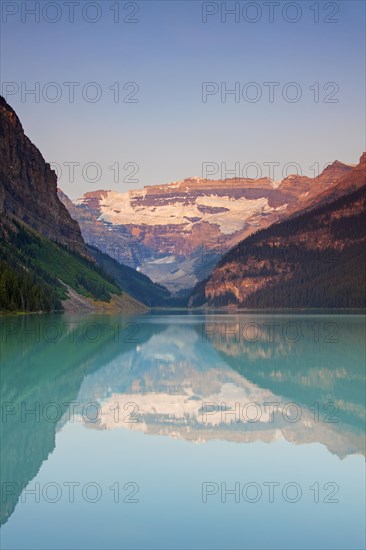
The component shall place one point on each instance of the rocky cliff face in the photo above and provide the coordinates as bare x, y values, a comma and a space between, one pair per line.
28, 186
175, 233
313, 259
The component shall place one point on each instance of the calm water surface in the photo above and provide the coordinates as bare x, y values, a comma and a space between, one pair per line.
183, 431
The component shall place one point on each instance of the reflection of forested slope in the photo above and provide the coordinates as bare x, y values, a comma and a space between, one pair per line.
39, 372
307, 372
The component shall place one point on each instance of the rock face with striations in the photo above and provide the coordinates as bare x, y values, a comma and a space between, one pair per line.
28, 186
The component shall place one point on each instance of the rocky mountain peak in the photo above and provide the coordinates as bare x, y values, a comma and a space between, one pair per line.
28, 185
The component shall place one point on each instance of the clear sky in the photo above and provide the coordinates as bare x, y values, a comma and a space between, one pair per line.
169, 52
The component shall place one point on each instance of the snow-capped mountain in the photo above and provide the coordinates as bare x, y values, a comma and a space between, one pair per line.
175, 233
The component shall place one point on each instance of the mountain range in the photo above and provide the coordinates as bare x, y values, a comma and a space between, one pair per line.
175, 233
253, 243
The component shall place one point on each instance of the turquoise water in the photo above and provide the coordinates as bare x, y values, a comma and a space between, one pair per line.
183, 431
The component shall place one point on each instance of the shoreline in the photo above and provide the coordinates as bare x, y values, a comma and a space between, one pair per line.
207, 311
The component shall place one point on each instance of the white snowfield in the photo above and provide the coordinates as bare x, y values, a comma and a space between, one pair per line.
119, 209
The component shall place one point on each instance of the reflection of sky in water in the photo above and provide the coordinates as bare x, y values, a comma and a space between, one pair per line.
169, 373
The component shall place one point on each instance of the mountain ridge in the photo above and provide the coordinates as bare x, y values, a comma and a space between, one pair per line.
44, 262
314, 258
28, 189
174, 232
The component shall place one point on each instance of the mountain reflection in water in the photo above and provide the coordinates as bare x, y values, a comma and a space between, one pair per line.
184, 376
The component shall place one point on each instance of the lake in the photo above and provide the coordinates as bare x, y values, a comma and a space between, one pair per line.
178, 431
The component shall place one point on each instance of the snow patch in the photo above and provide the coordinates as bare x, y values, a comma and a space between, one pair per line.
176, 213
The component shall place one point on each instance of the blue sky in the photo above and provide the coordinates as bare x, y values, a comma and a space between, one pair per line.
169, 53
